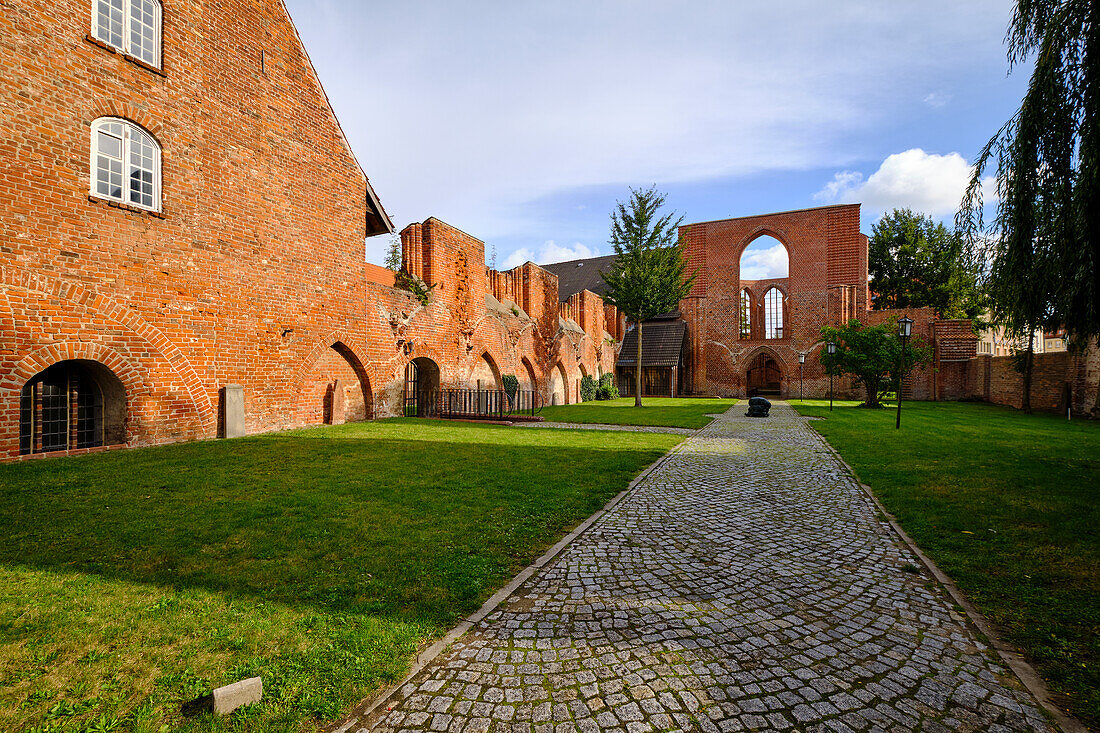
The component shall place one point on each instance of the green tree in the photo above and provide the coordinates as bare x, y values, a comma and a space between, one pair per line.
649, 276
393, 253
1043, 244
915, 262
873, 355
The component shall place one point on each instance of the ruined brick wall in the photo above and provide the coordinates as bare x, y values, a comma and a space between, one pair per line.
1059, 379
826, 284
469, 328
253, 268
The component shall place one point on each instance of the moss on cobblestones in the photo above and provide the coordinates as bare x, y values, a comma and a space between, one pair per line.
319, 559
1006, 504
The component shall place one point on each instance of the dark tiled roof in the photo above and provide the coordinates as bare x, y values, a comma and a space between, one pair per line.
662, 341
577, 275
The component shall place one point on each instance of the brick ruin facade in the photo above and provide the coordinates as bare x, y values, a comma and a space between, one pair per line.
250, 269
826, 285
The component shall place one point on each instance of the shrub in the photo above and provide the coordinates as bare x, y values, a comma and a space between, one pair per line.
588, 388
607, 389
404, 280
511, 385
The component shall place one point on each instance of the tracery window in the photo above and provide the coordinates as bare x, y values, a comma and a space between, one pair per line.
125, 163
746, 314
773, 314
131, 26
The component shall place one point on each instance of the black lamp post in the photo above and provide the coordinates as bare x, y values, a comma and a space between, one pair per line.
801, 361
830, 348
905, 330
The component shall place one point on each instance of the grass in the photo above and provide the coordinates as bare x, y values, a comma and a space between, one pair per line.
320, 559
674, 412
1006, 504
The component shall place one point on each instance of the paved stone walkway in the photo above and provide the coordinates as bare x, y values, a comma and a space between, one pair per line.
600, 426
746, 584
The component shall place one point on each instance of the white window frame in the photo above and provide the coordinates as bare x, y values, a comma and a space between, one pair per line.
773, 313
127, 128
126, 48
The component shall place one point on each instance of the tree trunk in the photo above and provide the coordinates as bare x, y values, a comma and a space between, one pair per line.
1029, 367
872, 394
638, 370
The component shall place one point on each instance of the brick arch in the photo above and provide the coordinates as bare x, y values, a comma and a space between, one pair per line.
762, 349
338, 341
42, 358
764, 230
76, 293
128, 111
532, 375
494, 365
746, 362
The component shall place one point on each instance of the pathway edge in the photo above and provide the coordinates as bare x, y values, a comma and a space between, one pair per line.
1012, 658
365, 709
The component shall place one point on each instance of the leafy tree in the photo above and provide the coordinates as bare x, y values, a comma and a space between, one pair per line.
1043, 245
648, 277
588, 388
915, 262
393, 253
873, 355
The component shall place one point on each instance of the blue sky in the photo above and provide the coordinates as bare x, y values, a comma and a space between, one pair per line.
523, 123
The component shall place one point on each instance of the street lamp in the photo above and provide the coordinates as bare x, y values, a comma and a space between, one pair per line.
801, 361
905, 330
830, 348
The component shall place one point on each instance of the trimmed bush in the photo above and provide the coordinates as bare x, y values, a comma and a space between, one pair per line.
588, 388
607, 390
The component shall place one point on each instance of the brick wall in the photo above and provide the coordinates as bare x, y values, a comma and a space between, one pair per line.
253, 272
1056, 377
826, 285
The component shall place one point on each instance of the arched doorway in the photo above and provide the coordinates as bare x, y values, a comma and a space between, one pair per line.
764, 376
421, 387
486, 375
336, 390
529, 374
73, 404
559, 386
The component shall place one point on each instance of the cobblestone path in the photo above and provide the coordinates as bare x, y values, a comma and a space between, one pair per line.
747, 584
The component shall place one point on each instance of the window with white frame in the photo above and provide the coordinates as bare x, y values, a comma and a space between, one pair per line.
773, 314
125, 163
746, 314
131, 26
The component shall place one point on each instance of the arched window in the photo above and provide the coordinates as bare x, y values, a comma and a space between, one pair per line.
72, 404
773, 314
125, 163
746, 314
131, 26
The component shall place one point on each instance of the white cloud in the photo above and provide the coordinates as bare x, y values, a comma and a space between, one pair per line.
759, 263
469, 111
925, 182
937, 99
549, 253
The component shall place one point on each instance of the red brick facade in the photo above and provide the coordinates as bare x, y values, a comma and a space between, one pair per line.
252, 272
1059, 380
826, 285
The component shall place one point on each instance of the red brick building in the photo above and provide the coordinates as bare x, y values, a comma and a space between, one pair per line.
746, 335
180, 212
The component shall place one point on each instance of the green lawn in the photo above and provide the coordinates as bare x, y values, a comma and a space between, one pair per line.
321, 559
1007, 504
674, 412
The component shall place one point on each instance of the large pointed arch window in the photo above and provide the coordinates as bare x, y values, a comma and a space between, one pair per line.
773, 314
125, 163
131, 26
746, 314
